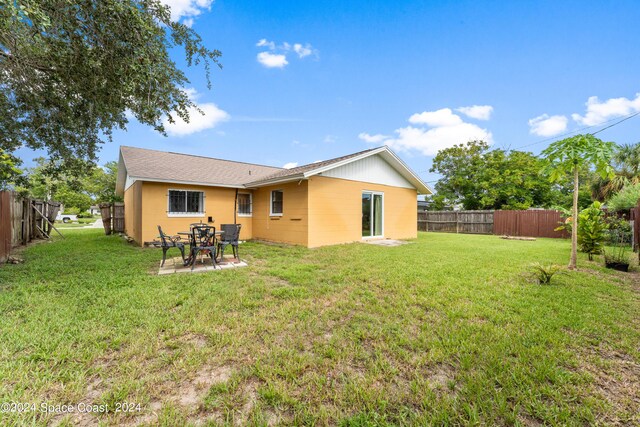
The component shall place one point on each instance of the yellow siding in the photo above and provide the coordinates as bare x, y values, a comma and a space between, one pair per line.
335, 211
133, 211
320, 211
292, 226
218, 202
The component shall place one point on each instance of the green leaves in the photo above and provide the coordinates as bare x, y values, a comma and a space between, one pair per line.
562, 157
481, 179
592, 229
71, 69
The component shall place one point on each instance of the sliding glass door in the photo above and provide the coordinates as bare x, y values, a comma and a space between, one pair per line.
372, 214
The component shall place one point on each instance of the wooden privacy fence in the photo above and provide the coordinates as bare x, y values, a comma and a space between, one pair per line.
530, 223
23, 219
470, 222
112, 217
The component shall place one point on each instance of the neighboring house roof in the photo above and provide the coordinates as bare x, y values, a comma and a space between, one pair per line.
152, 165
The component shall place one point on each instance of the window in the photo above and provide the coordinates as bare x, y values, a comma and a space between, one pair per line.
183, 202
244, 204
276, 202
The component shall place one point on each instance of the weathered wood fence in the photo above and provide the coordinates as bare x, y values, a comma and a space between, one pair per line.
530, 223
471, 222
23, 219
112, 217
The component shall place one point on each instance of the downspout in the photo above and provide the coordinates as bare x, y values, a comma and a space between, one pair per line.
235, 207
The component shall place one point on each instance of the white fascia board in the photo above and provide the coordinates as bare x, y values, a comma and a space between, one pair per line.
405, 171
133, 179
121, 179
292, 178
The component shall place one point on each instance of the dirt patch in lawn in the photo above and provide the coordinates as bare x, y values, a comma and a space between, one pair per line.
617, 379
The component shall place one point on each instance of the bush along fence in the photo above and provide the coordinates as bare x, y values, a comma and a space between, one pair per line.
23, 219
529, 223
112, 217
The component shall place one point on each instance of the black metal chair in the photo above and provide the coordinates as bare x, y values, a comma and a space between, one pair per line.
167, 242
230, 236
203, 239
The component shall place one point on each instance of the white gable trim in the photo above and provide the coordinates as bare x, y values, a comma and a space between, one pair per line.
390, 157
372, 169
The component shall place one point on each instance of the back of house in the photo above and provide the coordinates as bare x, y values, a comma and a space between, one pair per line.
365, 195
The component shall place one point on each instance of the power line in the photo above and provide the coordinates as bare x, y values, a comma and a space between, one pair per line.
581, 129
617, 123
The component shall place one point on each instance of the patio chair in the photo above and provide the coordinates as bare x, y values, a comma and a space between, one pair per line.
167, 242
229, 237
203, 239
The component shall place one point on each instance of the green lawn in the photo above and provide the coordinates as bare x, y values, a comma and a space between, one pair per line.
445, 331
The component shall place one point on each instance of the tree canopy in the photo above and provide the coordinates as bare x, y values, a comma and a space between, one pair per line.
567, 157
48, 181
73, 70
479, 178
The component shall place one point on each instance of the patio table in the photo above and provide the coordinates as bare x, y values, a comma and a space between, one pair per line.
190, 234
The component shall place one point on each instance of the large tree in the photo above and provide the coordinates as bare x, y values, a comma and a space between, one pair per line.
479, 178
70, 71
569, 156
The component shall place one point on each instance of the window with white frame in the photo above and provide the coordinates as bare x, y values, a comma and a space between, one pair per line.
183, 202
276, 202
244, 204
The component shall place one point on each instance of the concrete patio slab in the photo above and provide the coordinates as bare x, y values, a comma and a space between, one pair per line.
174, 265
386, 242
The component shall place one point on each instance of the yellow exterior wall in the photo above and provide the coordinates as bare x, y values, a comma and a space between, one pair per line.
316, 212
133, 211
218, 202
335, 211
292, 226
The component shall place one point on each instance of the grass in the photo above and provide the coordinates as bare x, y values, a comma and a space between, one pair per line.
444, 330
80, 222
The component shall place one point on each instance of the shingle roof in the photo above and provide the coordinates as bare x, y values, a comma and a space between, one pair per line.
166, 166
300, 170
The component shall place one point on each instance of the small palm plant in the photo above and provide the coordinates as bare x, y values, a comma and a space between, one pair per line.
543, 273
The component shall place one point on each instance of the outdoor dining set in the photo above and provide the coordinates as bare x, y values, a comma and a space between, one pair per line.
202, 239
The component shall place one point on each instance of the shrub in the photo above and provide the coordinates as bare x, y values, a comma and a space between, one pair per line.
543, 273
625, 199
85, 215
71, 210
592, 229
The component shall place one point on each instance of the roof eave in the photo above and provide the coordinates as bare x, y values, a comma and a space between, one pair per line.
180, 182
275, 181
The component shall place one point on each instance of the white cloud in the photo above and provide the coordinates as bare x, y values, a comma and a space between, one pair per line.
266, 43
372, 139
546, 125
601, 111
330, 139
442, 117
290, 165
187, 9
278, 57
198, 122
433, 131
272, 60
302, 51
479, 112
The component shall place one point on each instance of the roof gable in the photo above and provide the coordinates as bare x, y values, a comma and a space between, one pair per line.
306, 171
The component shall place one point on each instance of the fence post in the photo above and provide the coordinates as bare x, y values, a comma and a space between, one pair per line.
457, 222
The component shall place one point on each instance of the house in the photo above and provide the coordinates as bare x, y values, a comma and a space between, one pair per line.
366, 195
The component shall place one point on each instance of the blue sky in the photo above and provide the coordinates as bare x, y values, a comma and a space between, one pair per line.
305, 81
